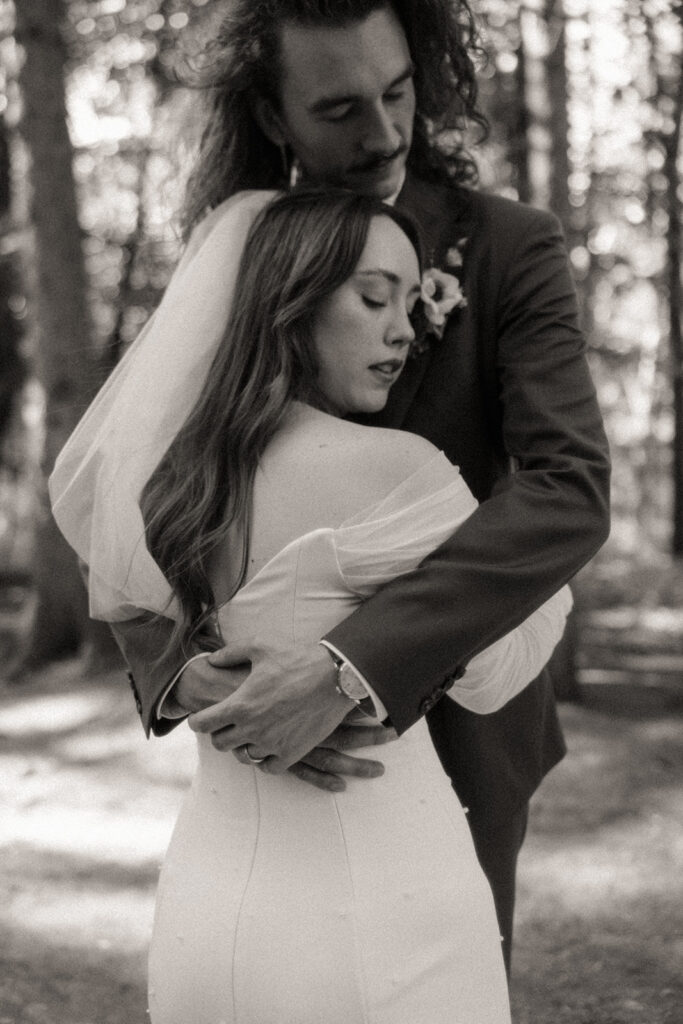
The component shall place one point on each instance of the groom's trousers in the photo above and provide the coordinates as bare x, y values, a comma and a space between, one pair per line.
498, 842
495, 762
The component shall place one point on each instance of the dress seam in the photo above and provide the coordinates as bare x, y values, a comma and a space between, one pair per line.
244, 897
358, 958
295, 594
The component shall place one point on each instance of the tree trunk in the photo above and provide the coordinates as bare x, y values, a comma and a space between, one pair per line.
12, 366
519, 141
556, 71
672, 147
63, 357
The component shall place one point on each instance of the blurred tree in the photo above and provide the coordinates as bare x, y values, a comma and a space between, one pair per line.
62, 313
521, 119
672, 146
12, 364
558, 122
504, 161
157, 64
663, 136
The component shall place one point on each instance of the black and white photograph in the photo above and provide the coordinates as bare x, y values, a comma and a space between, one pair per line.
341, 512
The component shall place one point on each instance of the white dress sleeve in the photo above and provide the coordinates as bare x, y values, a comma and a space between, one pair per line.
391, 539
501, 671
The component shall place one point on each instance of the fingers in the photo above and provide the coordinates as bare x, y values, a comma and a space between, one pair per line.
322, 768
333, 762
247, 754
351, 737
321, 780
238, 653
201, 686
216, 719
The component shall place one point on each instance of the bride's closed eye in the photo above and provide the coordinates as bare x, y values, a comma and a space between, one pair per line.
373, 303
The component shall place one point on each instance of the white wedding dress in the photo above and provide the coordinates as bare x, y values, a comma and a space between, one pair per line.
282, 904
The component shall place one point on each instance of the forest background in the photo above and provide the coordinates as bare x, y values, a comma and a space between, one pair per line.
584, 98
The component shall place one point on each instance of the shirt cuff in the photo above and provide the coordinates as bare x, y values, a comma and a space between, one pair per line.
380, 710
160, 712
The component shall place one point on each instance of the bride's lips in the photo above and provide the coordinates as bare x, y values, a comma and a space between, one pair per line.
388, 370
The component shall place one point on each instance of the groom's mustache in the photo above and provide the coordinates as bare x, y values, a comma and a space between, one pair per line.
376, 162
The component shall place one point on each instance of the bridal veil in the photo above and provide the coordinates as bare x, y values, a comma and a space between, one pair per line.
101, 471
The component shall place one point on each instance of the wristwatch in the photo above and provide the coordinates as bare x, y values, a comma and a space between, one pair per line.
349, 684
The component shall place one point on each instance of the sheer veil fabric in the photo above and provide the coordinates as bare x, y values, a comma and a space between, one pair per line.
100, 473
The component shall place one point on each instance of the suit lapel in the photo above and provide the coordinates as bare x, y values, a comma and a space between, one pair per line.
441, 212
442, 216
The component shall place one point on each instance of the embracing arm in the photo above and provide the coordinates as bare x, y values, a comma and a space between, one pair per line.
501, 671
152, 663
522, 544
144, 642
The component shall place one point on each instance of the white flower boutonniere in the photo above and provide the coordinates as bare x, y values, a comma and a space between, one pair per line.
441, 294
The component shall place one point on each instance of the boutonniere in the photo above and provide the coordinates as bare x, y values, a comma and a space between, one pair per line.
441, 294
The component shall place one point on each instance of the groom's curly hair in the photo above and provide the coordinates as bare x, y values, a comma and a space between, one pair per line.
243, 61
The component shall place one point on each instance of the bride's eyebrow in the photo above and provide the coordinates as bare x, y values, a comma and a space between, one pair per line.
388, 275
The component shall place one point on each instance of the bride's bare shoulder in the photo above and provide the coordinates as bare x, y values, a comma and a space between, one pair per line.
376, 458
389, 455
319, 471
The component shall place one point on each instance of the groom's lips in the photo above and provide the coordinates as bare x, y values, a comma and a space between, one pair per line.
380, 166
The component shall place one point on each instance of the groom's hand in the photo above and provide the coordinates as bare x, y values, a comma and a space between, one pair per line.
286, 708
326, 765
200, 686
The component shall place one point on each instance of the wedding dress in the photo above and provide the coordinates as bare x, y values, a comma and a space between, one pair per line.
279, 903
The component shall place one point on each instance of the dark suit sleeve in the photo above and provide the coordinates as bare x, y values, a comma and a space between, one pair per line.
145, 643
418, 633
152, 663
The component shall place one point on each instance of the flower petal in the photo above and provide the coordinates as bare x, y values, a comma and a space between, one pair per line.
454, 257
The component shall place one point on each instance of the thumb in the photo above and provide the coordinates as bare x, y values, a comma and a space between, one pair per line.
235, 653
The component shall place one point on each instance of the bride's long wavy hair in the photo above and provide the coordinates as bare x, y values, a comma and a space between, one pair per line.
301, 248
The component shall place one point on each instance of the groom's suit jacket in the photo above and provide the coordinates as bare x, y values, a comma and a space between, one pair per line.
507, 395
507, 386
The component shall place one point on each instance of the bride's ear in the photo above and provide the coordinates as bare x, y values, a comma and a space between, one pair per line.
268, 120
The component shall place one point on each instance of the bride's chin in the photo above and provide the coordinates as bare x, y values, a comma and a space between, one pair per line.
360, 406
376, 403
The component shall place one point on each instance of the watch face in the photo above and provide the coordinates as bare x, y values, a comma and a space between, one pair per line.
350, 684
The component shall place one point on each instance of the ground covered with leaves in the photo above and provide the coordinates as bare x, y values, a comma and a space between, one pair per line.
87, 805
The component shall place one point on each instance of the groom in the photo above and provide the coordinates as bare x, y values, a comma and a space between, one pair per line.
352, 91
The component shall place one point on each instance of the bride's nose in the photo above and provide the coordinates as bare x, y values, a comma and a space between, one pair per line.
402, 331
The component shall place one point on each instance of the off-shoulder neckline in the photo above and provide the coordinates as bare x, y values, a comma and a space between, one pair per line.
351, 522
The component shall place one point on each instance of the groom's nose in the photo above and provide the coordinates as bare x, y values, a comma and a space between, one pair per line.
380, 135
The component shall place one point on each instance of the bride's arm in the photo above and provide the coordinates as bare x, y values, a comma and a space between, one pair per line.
500, 672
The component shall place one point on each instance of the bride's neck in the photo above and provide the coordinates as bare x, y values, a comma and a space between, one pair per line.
303, 411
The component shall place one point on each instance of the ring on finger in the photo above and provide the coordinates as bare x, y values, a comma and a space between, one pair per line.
250, 757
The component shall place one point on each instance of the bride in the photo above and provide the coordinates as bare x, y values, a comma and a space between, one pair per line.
268, 512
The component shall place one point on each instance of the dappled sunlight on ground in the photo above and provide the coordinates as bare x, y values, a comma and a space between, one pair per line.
87, 805
600, 910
